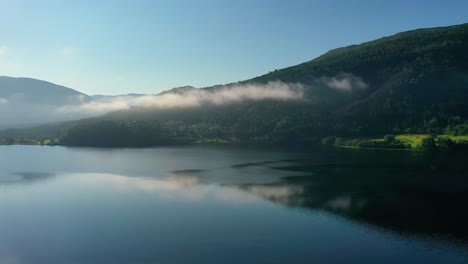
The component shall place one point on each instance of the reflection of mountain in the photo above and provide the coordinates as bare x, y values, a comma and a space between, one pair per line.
410, 197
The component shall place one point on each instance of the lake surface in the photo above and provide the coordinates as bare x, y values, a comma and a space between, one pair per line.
212, 204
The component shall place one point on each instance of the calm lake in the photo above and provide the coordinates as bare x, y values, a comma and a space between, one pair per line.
214, 204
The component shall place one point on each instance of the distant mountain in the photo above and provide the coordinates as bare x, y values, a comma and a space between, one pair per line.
411, 82
102, 98
179, 90
39, 92
26, 101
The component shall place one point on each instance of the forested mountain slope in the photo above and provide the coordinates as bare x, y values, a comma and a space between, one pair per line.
411, 78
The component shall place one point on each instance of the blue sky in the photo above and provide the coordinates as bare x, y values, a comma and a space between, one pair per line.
114, 47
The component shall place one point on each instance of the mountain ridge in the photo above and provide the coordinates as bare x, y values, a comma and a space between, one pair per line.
412, 82
30, 87
27, 101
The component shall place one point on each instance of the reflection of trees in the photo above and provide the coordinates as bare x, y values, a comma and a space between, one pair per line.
413, 198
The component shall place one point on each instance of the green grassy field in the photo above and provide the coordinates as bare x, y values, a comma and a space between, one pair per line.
402, 141
414, 140
456, 139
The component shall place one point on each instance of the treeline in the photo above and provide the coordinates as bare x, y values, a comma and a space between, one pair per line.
103, 133
29, 141
259, 123
268, 121
389, 141
428, 143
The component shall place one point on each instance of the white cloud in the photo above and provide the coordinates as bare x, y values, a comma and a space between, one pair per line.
14, 109
5, 60
345, 82
3, 51
69, 53
193, 98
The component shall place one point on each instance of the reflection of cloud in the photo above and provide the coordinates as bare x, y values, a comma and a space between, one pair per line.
174, 187
124, 183
342, 203
234, 196
3, 101
282, 193
345, 203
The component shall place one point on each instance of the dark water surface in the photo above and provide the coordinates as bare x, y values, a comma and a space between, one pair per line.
208, 204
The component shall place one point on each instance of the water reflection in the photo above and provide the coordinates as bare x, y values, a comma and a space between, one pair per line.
412, 198
404, 193
409, 197
285, 194
178, 185
24, 177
